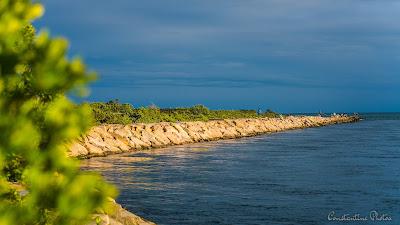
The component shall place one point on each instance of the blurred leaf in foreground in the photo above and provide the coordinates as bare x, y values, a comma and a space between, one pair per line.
38, 183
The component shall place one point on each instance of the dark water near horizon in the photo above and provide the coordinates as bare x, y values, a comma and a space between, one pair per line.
292, 177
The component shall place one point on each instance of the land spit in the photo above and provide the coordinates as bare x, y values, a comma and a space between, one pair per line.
113, 138
109, 139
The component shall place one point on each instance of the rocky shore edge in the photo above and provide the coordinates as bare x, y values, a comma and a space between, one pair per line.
118, 216
109, 139
114, 138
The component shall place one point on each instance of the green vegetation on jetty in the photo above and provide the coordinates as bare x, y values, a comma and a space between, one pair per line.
114, 112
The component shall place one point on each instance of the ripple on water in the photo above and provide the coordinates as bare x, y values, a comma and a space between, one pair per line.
293, 177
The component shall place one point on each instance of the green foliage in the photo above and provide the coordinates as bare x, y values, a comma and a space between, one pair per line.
14, 167
37, 121
115, 113
270, 113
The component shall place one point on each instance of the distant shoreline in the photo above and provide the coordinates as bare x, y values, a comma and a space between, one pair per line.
110, 139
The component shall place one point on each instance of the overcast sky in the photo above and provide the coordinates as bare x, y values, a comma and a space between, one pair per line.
287, 55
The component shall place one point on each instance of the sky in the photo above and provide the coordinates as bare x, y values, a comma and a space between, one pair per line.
285, 55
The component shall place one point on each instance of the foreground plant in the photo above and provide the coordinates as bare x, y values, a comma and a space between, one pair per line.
38, 183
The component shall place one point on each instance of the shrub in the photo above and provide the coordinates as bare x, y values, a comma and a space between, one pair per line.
115, 112
37, 121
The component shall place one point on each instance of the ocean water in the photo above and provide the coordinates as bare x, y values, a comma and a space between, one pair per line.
310, 176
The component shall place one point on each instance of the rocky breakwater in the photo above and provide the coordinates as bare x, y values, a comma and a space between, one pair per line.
113, 138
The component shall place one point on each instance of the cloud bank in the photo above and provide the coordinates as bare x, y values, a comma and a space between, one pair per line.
327, 54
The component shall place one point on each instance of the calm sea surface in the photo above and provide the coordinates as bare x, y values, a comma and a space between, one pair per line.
293, 177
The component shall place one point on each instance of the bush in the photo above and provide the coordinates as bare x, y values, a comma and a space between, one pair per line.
37, 121
114, 112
